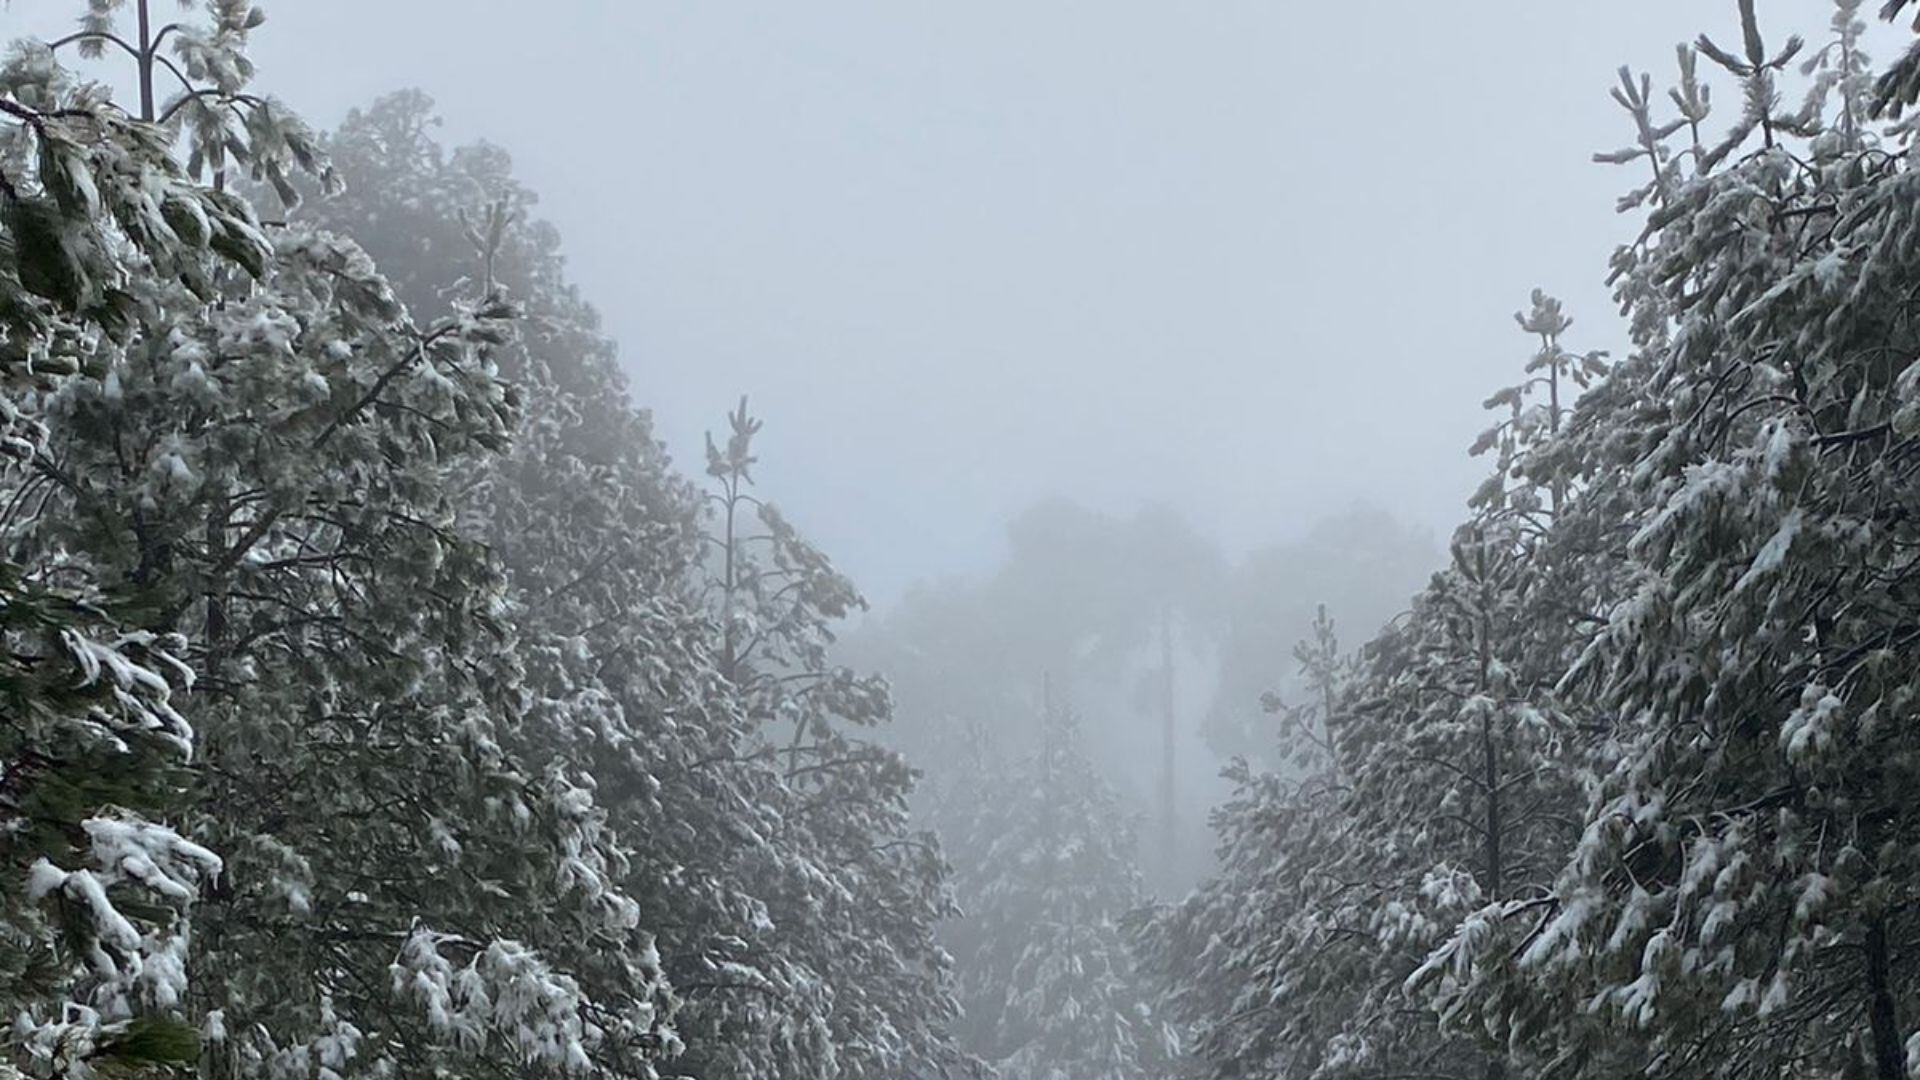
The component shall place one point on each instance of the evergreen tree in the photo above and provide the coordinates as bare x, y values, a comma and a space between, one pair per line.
1362, 562
97, 883
859, 908
1047, 985
1256, 963
270, 466
632, 674
1435, 776
1740, 898
1110, 605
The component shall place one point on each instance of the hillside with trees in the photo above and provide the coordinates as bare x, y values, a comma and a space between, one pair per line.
382, 699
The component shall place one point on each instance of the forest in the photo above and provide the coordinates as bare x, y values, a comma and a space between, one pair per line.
380, 697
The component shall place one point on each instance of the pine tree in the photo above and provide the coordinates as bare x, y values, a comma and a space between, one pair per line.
858, 907
1362, 563
270, 465
1739, 898
98, 886
1435, 780
610, 602
1256, 964
601, 545
1047, 984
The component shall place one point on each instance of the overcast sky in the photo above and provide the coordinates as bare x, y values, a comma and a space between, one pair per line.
1258, 259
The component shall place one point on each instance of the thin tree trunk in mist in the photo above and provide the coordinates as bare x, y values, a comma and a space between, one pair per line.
1169, 818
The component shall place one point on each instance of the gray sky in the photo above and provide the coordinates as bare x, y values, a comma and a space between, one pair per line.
1255, 258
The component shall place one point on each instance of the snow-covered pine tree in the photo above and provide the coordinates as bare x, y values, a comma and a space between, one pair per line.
1842, 76
1255, 964
621, 660
269, 465
96, 886
1441, 777
1741, 897
193, 80
1047, 860
860, 906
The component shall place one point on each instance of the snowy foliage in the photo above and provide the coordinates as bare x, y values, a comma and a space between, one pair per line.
1429, 778
857, 892
265, 465
1735, 901
380, 700
770, 868
1626, 790
1047, 984
94, 904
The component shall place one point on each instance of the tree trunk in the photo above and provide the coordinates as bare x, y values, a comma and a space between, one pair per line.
146, 63
1169, 813
1490, 764
1889, 1054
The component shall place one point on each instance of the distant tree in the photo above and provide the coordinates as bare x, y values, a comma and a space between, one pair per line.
1047, 985
1100, 601
1361, 562
1232, 958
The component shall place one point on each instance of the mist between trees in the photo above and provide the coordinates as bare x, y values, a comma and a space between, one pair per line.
381, 700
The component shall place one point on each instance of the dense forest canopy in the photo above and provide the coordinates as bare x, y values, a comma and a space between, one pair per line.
380, 698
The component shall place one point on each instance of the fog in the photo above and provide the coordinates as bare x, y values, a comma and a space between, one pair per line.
1256, 261
996, 541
